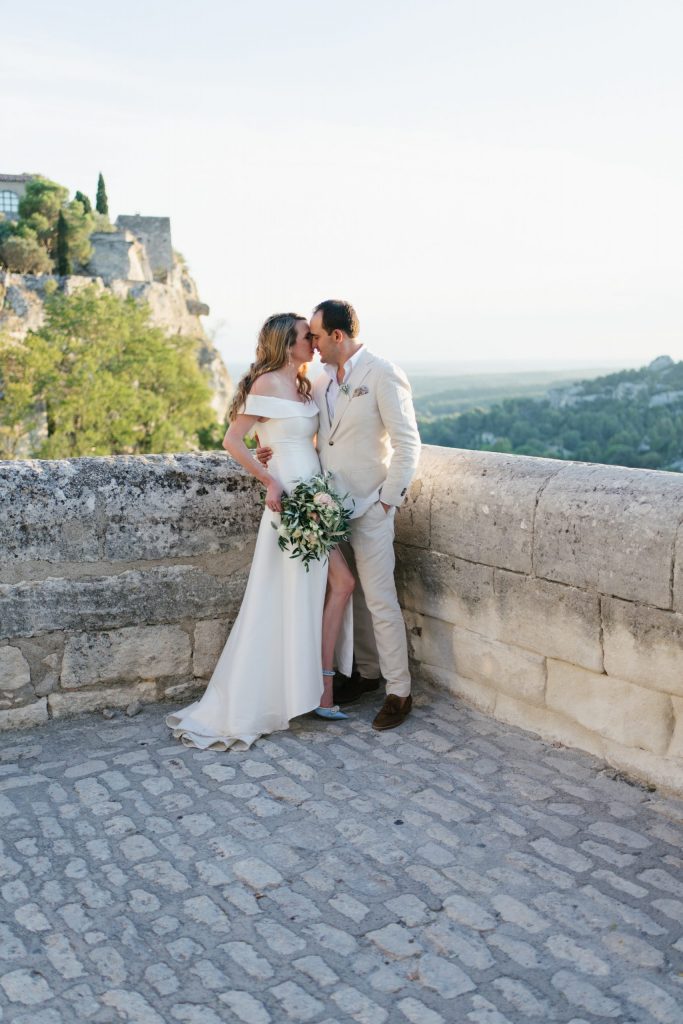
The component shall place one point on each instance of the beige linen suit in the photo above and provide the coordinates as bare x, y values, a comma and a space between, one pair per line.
372, 448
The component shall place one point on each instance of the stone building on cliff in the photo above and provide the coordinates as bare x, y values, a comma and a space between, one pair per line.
12, 188
134, 259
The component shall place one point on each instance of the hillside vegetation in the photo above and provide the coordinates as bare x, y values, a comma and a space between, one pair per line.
449, 392
99, 379
630, 418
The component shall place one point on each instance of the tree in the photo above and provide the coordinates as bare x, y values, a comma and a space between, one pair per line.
39, 210
101, 202
63, 261
81, 198
25, 255
22, 374
42, 196
80, 226
105, 381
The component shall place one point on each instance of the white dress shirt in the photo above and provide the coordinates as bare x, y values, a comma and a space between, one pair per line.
333, 388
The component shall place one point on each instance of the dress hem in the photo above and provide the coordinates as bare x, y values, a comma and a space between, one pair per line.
220, 742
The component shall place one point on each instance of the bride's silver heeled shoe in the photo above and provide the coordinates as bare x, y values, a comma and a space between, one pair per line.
332, 713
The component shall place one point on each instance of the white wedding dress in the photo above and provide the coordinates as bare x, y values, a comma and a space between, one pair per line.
270, 670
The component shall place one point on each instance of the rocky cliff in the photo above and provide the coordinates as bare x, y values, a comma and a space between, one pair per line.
174, 306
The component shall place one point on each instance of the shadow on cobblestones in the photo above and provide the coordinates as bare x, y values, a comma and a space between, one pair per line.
455, 869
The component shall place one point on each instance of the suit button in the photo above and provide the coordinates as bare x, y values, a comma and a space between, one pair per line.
331, 443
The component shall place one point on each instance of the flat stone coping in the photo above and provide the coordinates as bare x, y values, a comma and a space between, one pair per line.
455, 869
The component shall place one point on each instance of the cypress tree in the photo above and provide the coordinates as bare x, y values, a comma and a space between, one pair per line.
63, 261
85, 202
101, 203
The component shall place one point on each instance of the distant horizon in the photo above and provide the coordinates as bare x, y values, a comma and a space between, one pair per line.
481, 367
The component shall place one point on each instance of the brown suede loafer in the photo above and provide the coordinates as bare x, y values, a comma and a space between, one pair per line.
394, 711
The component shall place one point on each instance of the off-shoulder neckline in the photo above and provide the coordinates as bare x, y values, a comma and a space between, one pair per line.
276, 398
262, 405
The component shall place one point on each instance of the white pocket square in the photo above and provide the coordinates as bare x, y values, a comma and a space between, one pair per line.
362, 390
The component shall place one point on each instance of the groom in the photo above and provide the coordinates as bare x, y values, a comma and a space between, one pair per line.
368, 440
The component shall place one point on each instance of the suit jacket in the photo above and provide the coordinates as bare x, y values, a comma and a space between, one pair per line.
372, 445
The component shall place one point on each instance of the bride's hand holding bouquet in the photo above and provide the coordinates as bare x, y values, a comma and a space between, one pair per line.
313, 520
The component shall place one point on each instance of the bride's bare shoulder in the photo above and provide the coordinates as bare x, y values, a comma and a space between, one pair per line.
268, 385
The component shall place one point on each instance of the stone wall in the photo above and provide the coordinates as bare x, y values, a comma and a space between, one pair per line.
155, 235
119, 579
550, 595
118, 255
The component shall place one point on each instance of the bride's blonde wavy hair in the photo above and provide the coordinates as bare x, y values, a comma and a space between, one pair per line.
275, 339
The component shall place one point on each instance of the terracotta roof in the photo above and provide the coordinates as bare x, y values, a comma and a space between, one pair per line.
15, 177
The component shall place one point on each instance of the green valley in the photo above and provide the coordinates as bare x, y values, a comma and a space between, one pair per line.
632, 417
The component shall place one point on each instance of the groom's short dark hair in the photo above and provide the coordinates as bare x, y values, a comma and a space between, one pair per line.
339, 316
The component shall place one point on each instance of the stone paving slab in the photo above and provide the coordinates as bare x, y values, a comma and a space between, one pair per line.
455, 869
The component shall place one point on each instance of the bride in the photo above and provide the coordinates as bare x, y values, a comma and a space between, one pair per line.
278, 660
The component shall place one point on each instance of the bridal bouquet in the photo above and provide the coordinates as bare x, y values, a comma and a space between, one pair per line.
313, 520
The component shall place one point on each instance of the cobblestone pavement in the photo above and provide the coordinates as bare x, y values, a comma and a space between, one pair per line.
452, 870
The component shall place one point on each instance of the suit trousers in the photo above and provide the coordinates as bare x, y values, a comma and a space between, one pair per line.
379, 630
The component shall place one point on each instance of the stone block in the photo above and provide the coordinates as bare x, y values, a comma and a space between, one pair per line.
501, 666
25, 717
550, 618
678, 571
548, 724
47, 510
618, 710
125, 508
44, 656
676, 745
18, 698
158, 594
179, 506
445, 588
413, 518
187, 690
478, 694
484, 504
610, 529
209, 641
664, 772
506, 668
76, 702
14, 669
125, 655
643, 645
50, 680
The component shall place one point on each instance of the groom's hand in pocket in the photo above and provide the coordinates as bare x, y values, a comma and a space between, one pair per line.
263, 454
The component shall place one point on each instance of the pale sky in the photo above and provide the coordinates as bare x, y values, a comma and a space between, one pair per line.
485, 180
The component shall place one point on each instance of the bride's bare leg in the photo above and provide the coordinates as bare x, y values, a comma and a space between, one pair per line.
340, 584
